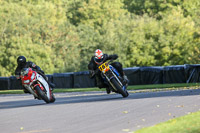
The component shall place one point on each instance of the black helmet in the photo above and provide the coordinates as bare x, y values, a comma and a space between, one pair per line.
21, 60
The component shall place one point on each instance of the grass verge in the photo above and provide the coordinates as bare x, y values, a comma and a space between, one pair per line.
185, 124
133, 87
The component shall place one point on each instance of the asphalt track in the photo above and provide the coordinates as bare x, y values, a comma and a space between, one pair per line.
94, 112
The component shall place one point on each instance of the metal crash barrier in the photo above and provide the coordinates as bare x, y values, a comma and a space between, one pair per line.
136, 75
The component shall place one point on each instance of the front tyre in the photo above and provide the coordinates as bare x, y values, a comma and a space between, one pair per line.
116, 84
41, 94
53, 99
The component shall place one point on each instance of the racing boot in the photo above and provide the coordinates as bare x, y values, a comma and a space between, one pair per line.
52, 85
108, 90
35, 97
25, 90
125, 80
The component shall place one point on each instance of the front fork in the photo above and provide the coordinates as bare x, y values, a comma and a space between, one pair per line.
113, 76
29, 88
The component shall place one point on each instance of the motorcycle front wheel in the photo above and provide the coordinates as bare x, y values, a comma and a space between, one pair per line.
53, 99
124, 93
41, 94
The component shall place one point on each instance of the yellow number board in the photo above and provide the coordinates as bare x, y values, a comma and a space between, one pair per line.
104, 67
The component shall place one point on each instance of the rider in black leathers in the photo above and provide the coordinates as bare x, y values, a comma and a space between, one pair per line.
98, 59
22, 63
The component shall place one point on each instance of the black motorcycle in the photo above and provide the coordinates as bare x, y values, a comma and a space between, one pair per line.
113, 79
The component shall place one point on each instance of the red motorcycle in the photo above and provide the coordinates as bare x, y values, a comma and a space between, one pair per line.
37, 85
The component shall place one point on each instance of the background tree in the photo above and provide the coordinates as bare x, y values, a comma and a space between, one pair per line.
61, 36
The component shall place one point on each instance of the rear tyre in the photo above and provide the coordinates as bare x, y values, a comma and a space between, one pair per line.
119, 88
41, 94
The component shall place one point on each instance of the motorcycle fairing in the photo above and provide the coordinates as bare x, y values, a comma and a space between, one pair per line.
41, 82
45, 85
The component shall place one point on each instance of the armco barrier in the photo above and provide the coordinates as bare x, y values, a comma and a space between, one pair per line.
151, 75
14, 84
63, 80
136, 75
82, 80
133, 75
50, 78
4, 83
192, 73
174, 74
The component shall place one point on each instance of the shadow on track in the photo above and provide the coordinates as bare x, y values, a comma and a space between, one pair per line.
19, 104
59, 100
89, 98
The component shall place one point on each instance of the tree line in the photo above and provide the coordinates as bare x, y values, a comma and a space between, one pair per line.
62, 35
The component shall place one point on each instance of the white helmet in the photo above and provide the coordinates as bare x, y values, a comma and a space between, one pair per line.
98, 56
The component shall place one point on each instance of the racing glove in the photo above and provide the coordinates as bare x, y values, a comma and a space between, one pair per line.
114, 56
91, 73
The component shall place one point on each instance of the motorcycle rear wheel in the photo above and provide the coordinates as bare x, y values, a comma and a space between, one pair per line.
119, 88
41, 94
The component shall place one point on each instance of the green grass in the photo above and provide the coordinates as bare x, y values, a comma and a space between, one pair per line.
185, 124
55, 90
134, 87
11, 92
